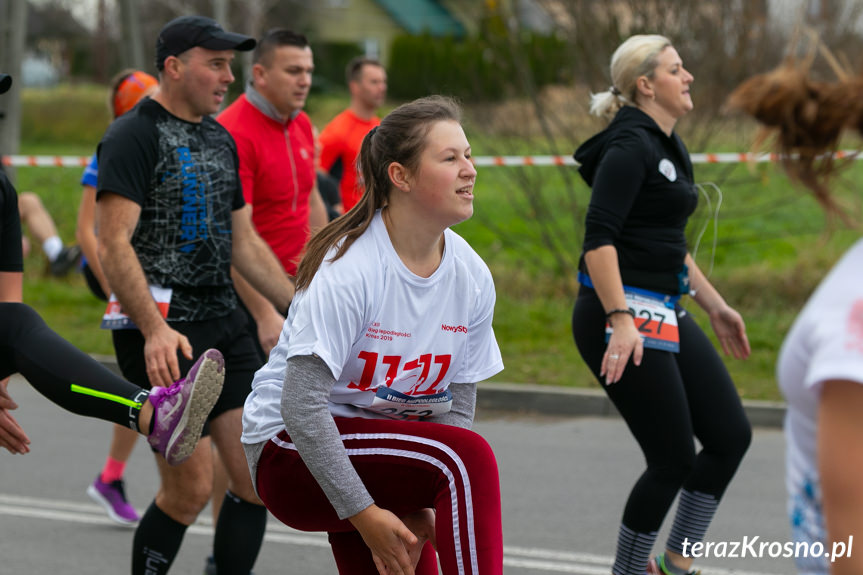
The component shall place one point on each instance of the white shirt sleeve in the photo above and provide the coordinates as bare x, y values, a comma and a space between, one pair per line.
330, 315
483, 358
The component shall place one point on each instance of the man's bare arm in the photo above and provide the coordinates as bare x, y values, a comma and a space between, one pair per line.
257, 263
118, 217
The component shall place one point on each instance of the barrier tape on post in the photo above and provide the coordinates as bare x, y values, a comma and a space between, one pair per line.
479, 161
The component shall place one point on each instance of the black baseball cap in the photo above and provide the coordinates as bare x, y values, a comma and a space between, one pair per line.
5, 83
186, 32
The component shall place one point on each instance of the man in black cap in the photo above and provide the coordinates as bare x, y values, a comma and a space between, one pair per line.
171, 418
172, 220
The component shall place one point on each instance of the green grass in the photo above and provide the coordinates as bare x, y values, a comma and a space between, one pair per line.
772, 248
67, 115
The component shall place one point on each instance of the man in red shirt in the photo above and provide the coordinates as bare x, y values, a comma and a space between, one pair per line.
277, 162
342, 137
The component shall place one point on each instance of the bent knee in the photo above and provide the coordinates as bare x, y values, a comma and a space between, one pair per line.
243, 489
736, 444
673, 469
187, 501
28, 202
471, 447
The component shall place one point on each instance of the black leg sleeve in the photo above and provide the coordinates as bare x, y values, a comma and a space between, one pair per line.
156, 543
61, 372
239, 535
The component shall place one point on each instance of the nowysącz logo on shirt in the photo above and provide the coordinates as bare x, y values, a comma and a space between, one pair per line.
453, 328
667, 169
854, 328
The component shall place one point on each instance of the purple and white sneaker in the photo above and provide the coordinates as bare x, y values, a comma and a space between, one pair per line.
180, 411
112, 496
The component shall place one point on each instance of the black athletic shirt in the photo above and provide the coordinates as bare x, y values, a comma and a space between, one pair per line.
642, 196
184, 177
11, 259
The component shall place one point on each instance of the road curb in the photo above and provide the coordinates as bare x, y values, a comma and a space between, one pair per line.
534, 399
525, 398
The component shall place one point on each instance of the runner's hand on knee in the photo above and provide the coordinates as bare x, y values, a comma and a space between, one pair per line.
388, 538
421, 524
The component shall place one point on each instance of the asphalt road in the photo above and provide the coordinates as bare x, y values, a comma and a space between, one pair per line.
563, 482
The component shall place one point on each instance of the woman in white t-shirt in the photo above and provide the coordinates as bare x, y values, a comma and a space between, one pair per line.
359, 424
820, 366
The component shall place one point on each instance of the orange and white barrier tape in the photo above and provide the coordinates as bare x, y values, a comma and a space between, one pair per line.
722, 158
47, 161
489, 161
480, 161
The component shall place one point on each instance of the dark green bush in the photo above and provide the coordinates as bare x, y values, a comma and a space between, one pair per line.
331, 58
482, 68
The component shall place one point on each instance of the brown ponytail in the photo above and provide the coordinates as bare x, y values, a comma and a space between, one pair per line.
399, 138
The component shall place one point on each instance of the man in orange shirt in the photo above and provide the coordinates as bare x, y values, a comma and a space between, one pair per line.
341, 139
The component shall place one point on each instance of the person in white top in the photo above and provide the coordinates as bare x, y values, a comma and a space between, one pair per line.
359, 424
820, 365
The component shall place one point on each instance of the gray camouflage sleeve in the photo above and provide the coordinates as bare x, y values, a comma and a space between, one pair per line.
463, 406
308, 382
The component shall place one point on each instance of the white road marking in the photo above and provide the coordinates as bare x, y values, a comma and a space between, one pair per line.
515, 557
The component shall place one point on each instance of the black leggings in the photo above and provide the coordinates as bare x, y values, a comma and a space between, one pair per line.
53, 366
666, 401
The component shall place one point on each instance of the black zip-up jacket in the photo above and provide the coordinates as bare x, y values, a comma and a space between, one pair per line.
643, 193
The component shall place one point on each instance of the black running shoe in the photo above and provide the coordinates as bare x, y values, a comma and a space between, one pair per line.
67, 259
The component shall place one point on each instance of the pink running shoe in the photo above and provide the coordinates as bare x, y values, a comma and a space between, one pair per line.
180, 411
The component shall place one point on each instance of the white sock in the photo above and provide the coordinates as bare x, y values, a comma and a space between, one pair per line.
52, 247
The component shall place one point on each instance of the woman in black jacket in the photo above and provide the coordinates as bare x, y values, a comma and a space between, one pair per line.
658, 367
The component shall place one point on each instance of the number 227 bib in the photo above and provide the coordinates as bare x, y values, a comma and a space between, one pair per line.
655, 318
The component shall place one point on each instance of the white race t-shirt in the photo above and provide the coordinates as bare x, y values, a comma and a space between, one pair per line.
393, 341
825, 343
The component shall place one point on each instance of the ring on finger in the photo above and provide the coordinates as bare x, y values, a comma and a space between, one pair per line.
613, 356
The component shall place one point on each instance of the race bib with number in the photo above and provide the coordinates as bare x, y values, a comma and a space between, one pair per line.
114, 318
655, 319
396, 405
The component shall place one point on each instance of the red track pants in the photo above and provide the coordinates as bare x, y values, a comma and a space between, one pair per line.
406, 466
